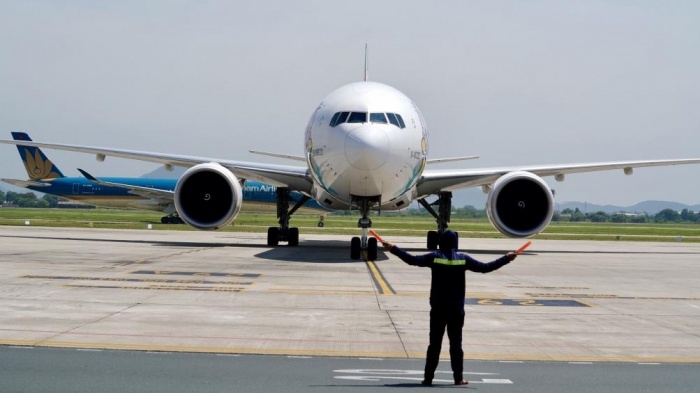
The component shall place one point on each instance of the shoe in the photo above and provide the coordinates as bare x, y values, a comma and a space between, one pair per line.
462, 382
425, 382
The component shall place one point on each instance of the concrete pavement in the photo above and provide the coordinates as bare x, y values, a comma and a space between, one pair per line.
230, 293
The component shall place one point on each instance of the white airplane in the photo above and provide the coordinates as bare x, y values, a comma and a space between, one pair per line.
366, 149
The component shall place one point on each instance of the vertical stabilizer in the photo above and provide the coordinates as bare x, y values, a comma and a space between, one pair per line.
36, 163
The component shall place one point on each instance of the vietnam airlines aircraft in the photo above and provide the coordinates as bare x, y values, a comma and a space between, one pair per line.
366, 148
130, 192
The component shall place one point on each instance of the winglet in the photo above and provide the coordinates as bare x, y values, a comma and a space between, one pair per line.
88, 176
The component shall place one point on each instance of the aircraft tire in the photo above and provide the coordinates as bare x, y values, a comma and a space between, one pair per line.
320, 224
164, 220
355, 248
293, 237
433, 240
372, 249
273, 236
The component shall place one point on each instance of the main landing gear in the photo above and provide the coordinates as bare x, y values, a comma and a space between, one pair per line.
171, 219
284, 233
369, 244
442, 217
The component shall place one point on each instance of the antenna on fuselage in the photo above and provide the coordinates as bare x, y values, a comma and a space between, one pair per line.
366, 69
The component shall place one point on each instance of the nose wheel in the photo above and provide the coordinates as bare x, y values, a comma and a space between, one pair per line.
365, 242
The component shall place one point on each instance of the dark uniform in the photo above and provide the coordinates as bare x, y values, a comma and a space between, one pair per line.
447, 291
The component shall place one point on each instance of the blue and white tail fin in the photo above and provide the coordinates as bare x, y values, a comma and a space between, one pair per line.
36, 163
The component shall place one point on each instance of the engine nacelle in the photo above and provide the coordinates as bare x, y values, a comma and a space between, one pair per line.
520, 204
208, 196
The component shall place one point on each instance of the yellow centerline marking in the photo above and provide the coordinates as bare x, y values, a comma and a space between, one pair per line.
378, 279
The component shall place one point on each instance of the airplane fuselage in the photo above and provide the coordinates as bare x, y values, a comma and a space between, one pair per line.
258, 196
366, 141
83, 190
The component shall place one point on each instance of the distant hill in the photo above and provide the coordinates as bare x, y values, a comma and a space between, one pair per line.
649, 207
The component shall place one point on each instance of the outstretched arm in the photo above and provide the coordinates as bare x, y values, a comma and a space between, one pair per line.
413, 260
487, 267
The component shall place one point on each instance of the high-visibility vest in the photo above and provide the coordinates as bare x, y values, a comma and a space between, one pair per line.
450, 262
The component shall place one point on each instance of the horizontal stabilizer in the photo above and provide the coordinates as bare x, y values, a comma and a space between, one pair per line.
26, 183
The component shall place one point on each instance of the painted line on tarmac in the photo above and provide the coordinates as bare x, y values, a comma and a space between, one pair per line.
524, 302
162, 288
198, 274
607, 296
137, 280
380, 283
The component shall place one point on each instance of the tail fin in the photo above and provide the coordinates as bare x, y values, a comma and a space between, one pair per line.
36, 163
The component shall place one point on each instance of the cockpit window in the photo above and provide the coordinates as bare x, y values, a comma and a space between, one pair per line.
338, 118
334, 119
361, 117
393, 120
377, 118
358, 117
401, 123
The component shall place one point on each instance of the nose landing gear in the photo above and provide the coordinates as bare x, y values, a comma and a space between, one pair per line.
364, 243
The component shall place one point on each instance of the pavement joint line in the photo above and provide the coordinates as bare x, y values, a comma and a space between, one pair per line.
511, 358
40, 343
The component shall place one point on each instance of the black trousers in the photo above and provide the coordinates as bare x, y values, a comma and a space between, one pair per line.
453, 319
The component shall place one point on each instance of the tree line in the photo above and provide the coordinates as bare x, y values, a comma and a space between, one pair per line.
664, 216
27, 199
568, 215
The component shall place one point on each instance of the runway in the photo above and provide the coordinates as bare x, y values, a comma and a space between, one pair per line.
228, 293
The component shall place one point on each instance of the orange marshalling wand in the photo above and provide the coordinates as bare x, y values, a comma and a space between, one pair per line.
521, 249
375, 234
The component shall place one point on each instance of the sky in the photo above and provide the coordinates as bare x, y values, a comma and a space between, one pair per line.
514, 82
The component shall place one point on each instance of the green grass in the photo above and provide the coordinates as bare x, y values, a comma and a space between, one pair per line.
386, 224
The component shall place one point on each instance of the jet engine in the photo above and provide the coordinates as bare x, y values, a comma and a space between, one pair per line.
520, 204
208, 196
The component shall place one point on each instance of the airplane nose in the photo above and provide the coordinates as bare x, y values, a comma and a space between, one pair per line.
366, 148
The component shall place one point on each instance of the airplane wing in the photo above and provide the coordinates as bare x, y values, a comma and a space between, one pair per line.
278, 155
298, 178
294, 177
433, 181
